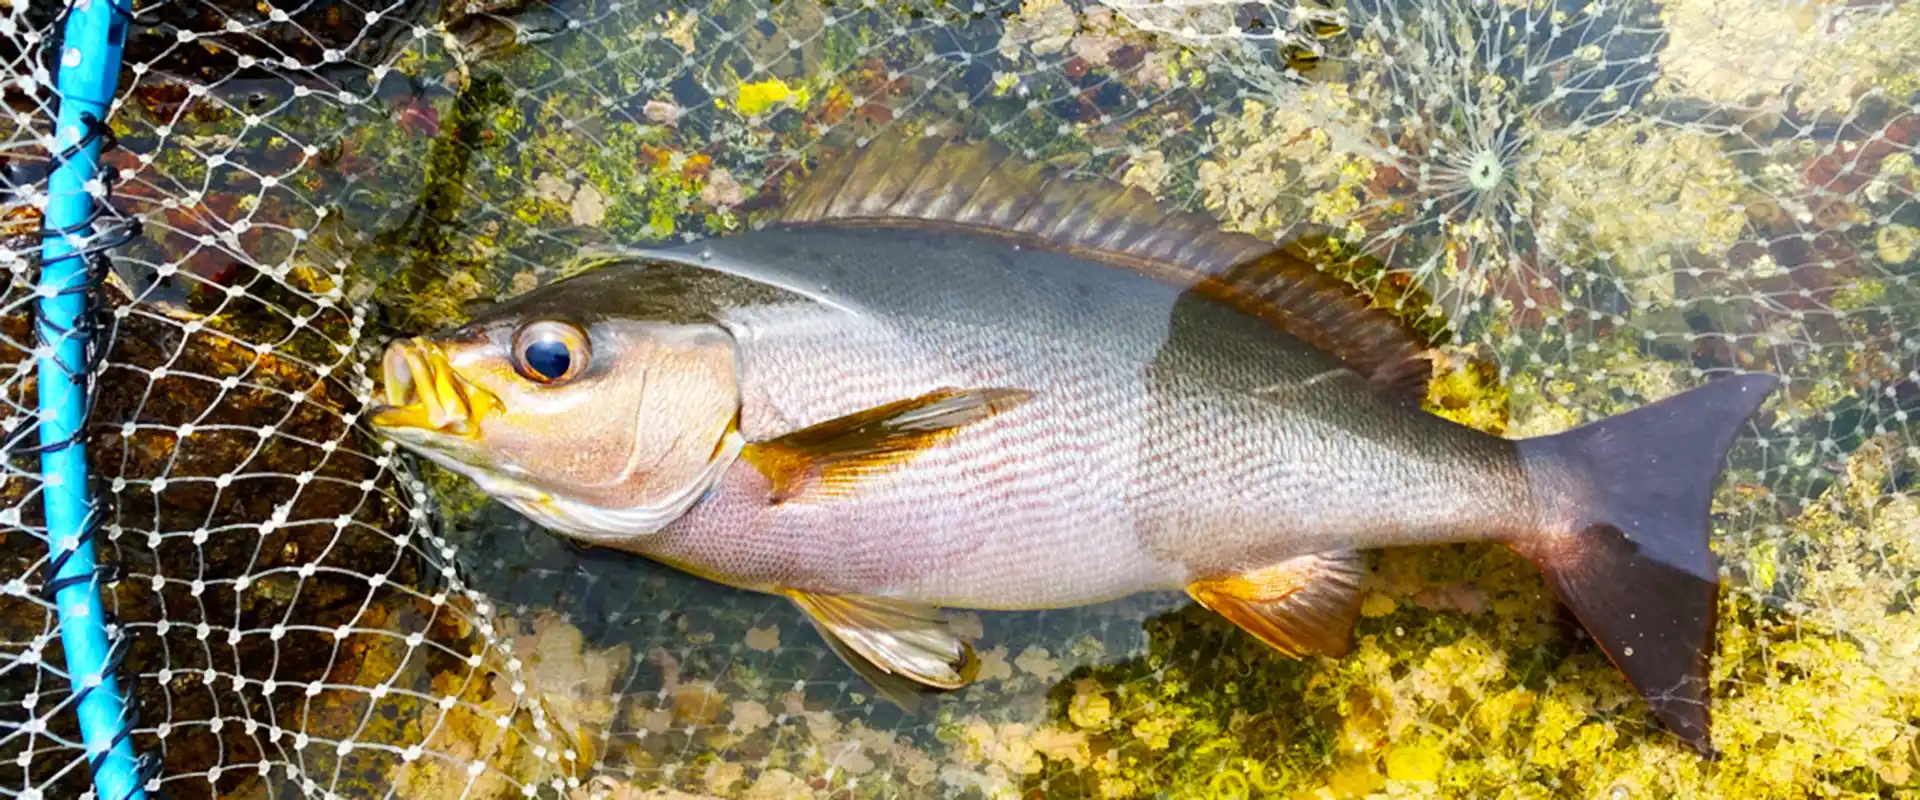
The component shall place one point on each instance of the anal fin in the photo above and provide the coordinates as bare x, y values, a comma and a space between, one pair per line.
825, 461
1305, 605
904, 649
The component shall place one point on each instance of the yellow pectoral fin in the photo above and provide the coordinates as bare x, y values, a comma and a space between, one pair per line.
826, 461
1301, 606
903, 649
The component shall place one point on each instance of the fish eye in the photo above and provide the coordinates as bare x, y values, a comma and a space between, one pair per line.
550, 352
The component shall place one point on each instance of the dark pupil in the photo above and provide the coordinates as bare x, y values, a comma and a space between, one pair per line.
548, 358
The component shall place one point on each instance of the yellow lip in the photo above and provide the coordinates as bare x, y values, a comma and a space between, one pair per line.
422, 391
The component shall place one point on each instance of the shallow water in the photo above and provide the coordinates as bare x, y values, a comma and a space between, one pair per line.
1601, 203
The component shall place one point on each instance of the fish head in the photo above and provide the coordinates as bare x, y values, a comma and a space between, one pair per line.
599, 427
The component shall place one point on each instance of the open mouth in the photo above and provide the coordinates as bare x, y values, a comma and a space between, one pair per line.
421, 391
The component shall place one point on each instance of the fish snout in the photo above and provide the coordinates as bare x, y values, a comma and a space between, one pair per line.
422, 391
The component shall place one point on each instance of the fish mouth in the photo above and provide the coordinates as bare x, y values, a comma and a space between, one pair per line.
422, 393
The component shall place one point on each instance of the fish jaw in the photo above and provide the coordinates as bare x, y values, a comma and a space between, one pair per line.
423, 396
430, 410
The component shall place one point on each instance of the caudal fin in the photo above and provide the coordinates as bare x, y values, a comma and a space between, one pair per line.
1626, 503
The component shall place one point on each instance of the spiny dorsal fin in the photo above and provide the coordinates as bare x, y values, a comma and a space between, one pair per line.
984, 188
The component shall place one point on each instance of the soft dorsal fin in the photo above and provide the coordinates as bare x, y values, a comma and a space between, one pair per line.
984, 188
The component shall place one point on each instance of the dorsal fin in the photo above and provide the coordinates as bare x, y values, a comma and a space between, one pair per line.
984, 188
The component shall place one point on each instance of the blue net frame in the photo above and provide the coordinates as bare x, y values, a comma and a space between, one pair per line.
80, 227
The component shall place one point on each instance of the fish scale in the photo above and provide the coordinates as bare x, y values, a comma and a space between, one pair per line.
900, 396
1012, 492
1195, 471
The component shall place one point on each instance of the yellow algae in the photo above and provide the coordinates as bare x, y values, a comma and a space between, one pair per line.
1043, 26
1825, 56
849, 757
1418, 761
1496, 715
1894, 243
1468, 390
821, 725
1281, 165
754, 99
588, 206
607, 787
721, 776
1642, 192
1157, 732
1116, 788
1064, 746
1377, 605
1148, 171
502, 719
922, 770
522, 282
1354, 779
1089, 707
1737, 64
679, 28
777, 784
750, 716
572, 684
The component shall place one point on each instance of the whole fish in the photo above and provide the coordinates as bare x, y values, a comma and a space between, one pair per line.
942, 377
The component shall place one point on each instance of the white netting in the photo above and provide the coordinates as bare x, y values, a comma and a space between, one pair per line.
1596, 204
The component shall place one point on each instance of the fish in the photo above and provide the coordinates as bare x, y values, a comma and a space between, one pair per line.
938, 376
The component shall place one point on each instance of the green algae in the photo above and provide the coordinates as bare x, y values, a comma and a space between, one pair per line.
1466, 682
428, 290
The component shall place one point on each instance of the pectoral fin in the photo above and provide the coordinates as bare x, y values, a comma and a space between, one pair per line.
1301, 606
826, 461
903, 649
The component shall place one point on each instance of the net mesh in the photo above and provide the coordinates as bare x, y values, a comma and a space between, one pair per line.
1592, 203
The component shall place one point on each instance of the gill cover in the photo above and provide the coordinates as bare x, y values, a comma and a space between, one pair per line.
597, 426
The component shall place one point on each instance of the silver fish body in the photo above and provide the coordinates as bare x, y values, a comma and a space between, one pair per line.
1169, 437
945, 378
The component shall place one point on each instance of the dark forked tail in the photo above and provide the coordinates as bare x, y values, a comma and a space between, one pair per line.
1626, 501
